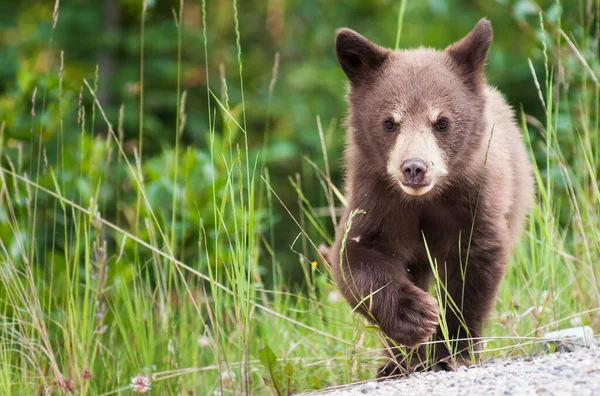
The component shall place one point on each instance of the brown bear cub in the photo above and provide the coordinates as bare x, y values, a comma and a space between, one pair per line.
437, 179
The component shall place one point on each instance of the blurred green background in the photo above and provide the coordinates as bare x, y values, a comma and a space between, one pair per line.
82, 81
102, 38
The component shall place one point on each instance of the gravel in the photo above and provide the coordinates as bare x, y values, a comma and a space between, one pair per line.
568, 373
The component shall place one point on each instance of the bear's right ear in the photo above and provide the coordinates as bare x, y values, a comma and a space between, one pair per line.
357, 55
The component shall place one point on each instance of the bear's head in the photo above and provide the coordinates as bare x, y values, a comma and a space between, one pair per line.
416, 116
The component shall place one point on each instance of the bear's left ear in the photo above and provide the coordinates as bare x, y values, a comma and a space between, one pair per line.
358, 57
470, 53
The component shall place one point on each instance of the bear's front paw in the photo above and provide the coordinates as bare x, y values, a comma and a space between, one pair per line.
416, 319
445, 361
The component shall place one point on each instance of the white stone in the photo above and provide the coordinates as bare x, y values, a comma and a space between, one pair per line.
567, 339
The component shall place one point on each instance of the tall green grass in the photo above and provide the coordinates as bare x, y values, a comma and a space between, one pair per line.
88, 316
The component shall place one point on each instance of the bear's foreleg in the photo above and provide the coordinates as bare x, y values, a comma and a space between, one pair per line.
378, 286
471, 290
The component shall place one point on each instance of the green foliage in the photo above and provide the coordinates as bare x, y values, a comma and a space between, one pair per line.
158, 219
309, 82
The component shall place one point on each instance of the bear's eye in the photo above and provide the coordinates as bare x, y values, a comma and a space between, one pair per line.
389, 125
442, 125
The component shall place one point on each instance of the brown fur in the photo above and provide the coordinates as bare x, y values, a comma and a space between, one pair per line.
385, 267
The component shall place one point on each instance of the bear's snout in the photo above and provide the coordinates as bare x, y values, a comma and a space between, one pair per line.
414, 170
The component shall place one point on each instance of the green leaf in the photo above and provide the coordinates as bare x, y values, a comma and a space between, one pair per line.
269, 360
288, 372
315, 382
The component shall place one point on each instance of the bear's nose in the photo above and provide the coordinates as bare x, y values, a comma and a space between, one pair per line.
414, 170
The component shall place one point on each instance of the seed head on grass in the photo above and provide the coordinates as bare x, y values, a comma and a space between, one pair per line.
64, 385
86, 374
140, 384
204, 342
228, 377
